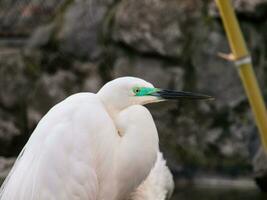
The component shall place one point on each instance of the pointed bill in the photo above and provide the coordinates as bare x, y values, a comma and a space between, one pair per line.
176, 95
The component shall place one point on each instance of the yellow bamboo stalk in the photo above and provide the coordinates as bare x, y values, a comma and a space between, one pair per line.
241, 57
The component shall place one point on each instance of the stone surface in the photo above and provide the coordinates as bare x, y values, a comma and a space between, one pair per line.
157, 72
260, 169
80, 30
92, 79
20, 18
12, 77
41, 36
249, 8
260, 161
212, 70
9, 131
153, 26
5, 166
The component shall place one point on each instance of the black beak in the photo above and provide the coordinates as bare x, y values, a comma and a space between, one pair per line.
175, 95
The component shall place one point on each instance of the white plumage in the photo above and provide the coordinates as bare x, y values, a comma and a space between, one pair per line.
95, 147
158, 185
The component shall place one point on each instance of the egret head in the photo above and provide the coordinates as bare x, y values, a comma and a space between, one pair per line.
126, 91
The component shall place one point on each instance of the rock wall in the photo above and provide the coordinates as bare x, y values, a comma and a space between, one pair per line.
72, 46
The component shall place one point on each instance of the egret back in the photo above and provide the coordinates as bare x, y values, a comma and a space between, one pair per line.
62, 159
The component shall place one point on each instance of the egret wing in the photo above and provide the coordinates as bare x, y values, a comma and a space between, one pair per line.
62, 157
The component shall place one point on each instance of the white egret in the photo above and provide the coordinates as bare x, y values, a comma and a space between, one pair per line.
95, 147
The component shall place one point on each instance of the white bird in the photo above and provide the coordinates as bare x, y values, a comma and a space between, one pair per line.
100, 146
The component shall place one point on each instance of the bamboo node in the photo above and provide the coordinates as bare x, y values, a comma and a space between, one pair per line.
242, 61
237, 61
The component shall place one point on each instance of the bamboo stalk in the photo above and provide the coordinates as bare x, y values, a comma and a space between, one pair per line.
242, 59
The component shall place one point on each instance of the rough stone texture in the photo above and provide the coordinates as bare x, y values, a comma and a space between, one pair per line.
76, 30
22, 17
260, 169
248, 5
92, 80
11, 69
8, 132
260, 161
81, 28
5, 165
173, 44
41, 36
157, 72
250, 8
211, 70
154, 26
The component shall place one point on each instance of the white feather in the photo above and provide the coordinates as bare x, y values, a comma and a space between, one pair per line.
158, 185
75, 152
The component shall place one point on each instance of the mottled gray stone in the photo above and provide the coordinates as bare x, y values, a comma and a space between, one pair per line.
213, 135
13, 81
92, 81
155, 71
8, 132
260, 168
20, 18
80, 30
5, 166
260, 161
41, 36
251, 8
153, 26
215, 75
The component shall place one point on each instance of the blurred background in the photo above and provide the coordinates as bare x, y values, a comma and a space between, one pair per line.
50, 49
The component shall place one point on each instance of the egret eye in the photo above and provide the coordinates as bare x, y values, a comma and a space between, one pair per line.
136, 90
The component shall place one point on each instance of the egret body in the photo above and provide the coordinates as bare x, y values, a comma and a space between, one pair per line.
100, 146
